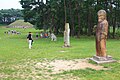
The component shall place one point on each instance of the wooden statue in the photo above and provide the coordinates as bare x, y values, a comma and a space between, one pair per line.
101, 34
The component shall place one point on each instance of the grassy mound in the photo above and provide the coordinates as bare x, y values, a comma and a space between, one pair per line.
20, 24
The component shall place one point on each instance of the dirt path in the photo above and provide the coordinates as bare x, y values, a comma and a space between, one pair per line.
43, 69
58, 66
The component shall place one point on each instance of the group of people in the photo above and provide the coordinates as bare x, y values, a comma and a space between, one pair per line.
12, 32
44, 35
30, 38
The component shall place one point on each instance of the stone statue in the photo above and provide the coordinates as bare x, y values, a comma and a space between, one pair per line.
66, 36
101, 34
53, 37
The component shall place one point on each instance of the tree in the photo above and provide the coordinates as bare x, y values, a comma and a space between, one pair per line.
81, 14
9, 15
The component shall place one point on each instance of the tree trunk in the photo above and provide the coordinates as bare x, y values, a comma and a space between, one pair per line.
114, 25
71, 20
65, 11
89, 24
89, 21
110, 19
52, 26
79, 24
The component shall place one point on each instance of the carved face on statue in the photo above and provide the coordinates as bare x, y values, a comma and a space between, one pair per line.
101, 15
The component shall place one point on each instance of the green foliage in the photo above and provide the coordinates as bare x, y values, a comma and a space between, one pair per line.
9, 15
81, 14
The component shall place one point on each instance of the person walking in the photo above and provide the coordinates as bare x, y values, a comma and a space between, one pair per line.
30, 40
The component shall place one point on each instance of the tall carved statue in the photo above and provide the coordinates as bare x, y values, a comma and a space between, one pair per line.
67, 36
101, 34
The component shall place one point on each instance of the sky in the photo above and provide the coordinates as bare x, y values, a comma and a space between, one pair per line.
8, 4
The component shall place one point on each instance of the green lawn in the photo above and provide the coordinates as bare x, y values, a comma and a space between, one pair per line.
14, 51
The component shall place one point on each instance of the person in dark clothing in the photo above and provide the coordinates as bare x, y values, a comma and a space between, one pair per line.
30, 40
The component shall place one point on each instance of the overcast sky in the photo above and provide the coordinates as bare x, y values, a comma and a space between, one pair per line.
8, 4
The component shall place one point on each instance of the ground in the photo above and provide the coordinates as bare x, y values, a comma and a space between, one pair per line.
48, 60
45, 69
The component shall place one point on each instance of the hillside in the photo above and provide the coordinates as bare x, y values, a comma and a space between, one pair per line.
20, 24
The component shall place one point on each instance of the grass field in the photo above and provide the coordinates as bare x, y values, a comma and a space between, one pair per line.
17, 61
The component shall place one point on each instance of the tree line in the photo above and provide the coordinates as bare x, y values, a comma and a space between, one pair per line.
80, 14
9, 15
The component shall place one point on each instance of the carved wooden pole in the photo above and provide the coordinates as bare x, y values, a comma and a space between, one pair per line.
67, 36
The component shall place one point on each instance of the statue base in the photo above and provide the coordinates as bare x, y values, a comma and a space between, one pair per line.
66, 46
101, 60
